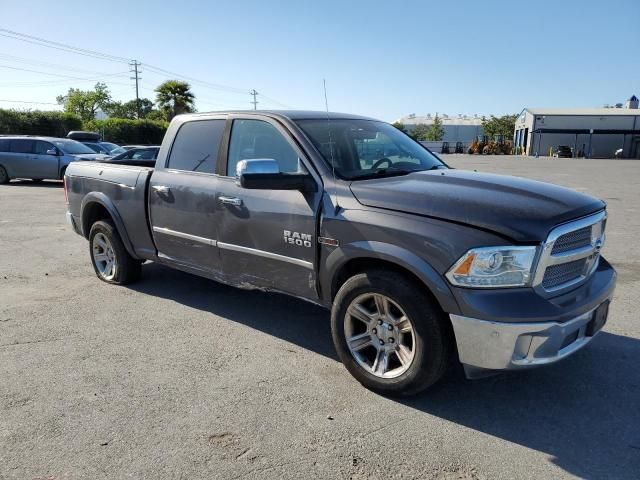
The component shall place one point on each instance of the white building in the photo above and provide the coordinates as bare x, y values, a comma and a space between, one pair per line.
459, 128
590, 132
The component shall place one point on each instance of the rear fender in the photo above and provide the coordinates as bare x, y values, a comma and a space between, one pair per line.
102, 199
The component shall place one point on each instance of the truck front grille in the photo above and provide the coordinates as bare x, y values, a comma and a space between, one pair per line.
572, 240
570, 254
562, 273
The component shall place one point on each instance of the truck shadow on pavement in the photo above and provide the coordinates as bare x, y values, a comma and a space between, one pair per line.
584, 412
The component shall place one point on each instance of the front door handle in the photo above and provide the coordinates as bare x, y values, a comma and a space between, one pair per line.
159, 189
236, 202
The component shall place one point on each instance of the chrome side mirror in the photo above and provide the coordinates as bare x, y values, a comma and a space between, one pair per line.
260, 166
52, 151
264, 174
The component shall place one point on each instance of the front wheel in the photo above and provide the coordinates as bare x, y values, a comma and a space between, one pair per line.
111, 261
390, 334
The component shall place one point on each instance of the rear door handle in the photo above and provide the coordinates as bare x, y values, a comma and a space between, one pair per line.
161, 189
236, 202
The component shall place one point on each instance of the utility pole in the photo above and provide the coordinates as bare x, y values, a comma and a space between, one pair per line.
134, 65
255, 102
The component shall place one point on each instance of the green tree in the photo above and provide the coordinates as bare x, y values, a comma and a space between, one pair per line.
419, 132
435, 131
129, 109
85, 103
504, 126
400, 126
157, 115
175, 97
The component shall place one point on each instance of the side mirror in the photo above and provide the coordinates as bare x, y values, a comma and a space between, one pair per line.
52, 151
264, 174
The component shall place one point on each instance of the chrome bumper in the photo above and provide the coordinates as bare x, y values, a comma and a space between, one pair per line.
485, 345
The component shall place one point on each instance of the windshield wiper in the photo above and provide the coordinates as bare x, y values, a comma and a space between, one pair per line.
384, 172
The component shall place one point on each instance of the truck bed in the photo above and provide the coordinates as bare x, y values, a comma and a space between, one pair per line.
121, 189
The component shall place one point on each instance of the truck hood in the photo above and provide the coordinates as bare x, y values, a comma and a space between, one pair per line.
523, 210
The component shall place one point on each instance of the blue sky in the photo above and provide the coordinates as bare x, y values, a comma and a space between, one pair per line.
380, 58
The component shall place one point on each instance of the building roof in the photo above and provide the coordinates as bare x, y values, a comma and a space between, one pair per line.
603, 112
475, 120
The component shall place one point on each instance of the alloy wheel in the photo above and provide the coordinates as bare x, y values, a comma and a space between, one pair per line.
379, 335
104, 256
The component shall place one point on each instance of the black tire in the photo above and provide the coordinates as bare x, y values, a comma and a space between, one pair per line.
432, 333
4, 176
127, 269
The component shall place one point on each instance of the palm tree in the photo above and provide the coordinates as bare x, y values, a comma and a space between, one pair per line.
175, 97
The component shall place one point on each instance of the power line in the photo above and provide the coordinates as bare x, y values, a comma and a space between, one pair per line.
114, 58
24, 101
55, 74
275, 101
215, 86
255, 102
52, 66
59, 46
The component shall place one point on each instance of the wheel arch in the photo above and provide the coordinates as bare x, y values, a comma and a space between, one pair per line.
97, 206
6, 170
357, 257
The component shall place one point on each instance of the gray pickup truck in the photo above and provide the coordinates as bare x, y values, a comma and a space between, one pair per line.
421, 265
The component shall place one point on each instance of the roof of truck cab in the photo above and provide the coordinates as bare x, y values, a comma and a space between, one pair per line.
290, 114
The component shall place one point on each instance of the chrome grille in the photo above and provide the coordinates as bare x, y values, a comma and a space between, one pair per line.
562, 273
570, 254
572, 240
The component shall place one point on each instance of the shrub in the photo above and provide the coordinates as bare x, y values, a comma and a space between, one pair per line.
124, 131
49, 124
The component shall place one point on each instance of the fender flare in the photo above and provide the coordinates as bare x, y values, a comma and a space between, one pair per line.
393, 254
101, 199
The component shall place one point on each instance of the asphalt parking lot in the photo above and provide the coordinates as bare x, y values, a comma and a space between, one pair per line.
180, 377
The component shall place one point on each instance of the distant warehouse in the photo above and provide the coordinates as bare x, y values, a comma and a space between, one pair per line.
588, 132
459, 128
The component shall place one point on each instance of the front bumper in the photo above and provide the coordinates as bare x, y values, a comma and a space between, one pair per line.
484, 345
499, 339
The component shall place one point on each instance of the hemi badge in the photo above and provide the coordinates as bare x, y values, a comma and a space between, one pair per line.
328, 241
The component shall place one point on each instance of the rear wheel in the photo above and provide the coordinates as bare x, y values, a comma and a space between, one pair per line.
111, 261
4, 176
390, 334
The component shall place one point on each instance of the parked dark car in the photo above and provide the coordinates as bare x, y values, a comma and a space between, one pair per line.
563, 151
140, 156
105, 148
421, 265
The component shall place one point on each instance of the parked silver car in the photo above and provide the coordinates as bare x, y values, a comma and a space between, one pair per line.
39, 158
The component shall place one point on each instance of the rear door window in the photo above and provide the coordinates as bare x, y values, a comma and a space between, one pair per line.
22, 146
195, 148
4, 144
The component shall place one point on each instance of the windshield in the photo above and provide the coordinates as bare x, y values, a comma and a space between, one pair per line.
367, 148
112, 148
72, 147
96, 147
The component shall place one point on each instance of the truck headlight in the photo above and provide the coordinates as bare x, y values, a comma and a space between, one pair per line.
492, 267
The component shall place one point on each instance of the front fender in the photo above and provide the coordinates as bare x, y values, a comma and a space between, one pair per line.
103, 200
391, 253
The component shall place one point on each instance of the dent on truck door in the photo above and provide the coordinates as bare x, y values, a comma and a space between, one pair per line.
182, 197
267, 237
